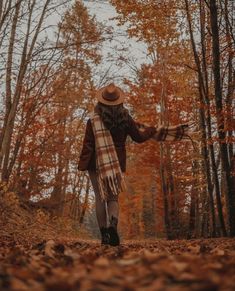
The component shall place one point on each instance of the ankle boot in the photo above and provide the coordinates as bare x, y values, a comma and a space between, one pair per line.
114, 237
104, 235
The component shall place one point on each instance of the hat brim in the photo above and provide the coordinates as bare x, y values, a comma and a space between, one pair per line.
101, 99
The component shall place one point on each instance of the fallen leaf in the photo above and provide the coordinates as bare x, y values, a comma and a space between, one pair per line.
49, 251
17, 284
101, 262
218, 252
194, 249
180, 266
128, 262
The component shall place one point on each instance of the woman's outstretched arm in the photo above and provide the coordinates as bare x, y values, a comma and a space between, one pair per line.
137, 134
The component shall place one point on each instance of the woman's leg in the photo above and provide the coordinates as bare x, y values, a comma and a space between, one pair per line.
109, 235
99, 204
113, 211
112, 205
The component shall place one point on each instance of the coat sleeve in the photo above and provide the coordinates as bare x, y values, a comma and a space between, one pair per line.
139, 135
88, 148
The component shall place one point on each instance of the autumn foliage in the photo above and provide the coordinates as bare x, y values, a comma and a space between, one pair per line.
178, 211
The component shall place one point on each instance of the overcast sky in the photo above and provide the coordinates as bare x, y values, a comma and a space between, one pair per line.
136, 50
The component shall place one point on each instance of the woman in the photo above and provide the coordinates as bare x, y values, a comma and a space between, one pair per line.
104, 155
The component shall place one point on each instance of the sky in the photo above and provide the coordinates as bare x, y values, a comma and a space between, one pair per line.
103, 11
136, 51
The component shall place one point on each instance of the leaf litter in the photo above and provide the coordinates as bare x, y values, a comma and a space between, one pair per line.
70, 264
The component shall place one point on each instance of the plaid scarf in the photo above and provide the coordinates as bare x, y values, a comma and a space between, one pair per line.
171, 133
110, 176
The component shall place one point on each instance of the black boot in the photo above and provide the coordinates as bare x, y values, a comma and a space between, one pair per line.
114, 237
104, 235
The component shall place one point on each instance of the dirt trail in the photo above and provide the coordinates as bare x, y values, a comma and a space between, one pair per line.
70, 264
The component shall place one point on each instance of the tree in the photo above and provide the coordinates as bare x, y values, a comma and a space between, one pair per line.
20, 58
160, 88
52, 97
177, 71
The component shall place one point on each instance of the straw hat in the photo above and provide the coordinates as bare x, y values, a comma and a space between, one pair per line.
110, 95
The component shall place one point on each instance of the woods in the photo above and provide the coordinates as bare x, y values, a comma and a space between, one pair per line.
48, 79
173, 226
197, 70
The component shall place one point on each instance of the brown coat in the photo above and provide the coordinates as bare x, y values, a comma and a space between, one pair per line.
88, 158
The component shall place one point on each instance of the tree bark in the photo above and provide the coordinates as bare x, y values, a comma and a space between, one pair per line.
165, 196
25, 60
8, 91
85, 203
229, 189
208, 120
231, 78
202, 93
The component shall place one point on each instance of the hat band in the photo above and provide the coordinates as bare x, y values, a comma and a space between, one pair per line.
110, 96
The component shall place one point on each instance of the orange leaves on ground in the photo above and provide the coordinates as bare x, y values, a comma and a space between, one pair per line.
150, 265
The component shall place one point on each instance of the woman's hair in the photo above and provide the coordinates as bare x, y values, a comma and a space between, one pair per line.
113, 116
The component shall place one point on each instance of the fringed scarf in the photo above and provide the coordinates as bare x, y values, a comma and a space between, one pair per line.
171, 133
110, 176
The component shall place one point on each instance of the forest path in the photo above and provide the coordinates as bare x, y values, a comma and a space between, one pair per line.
70, 264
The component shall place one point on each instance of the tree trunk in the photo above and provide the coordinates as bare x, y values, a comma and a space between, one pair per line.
8, 101
174, 218
202, 93
231, 77
76, 204
208, 119
85, 203
165, 195
229, 189
10, 116
192, 212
